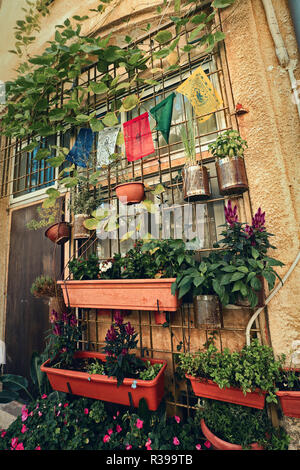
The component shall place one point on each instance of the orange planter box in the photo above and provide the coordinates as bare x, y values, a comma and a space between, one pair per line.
102, 387
219, 444
209, 389
290, 403
123, 294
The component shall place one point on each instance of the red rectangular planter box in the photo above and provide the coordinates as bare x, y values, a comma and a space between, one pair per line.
290, 403
123, 294
102, 387
208, 389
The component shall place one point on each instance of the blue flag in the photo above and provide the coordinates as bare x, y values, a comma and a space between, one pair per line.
79, 154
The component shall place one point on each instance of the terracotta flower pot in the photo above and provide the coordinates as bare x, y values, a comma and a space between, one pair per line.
102, 387
231, 174
130, 193
195, 183
219, 444
59, 233
208, 389
290, 401
123, 294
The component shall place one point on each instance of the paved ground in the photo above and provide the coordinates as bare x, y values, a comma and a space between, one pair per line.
8, 413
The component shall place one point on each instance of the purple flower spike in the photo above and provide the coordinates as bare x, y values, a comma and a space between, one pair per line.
118, 318
129, 329
258, 221
231, 215
111, 334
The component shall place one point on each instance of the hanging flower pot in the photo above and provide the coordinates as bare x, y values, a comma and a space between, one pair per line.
102, 387
59, 233
195, 182
79, 230
219, 444
160, 318
231, 174
207, 311
206, 388
130, 193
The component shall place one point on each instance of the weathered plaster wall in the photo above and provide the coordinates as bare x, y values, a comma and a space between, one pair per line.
272, 129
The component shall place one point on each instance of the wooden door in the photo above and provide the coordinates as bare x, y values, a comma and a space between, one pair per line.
27, 318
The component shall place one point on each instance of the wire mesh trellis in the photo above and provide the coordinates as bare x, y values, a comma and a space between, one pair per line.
20, 175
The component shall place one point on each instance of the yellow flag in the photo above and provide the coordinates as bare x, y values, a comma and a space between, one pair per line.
200, 92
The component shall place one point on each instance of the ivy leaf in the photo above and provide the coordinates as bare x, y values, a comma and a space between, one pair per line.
42, 154
222, 3
163, 36
110, 119
129, 103
98, 88
96, 125
196, 32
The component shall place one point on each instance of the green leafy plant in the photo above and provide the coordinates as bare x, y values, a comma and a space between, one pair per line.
228, 144
45, 216
242, 425
45, 286
84, 269
150, 372
252, 367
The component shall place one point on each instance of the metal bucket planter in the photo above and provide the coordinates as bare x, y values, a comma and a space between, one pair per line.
195, 183
80, 231
207, 311
231, 174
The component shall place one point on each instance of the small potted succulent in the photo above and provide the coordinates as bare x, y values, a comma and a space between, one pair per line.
228, 149
235, 427
246, 377
194, 176
116, 376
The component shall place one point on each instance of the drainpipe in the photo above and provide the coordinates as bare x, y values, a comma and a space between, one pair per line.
270, 297
281, 51
294, 6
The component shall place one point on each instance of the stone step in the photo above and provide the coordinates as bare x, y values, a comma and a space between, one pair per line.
9, 412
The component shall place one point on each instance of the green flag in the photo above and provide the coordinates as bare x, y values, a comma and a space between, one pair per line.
162, 113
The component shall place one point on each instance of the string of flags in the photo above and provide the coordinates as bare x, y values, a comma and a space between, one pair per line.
197, 88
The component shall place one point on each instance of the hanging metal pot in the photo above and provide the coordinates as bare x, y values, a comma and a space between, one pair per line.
207, 312
80, 231
195, 183
231, 174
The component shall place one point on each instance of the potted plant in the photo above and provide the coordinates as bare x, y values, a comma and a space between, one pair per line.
46, 287
197, 281
288, 384
194, 176
235, 427
117, 376
140, 280
57, 232
228, 149
243, 377
84, 200
245, 263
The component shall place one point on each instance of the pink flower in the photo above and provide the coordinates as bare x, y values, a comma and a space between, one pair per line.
24, 412
106, 438
207, 444
86, 411
3, 433
139, 423
177, 419
148, 444
128, 446
109, 432
40, 413
176, 441
38, 448
198, 447
65, 405
14, 442
20, 446
118, 428
44, 396
24, 429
